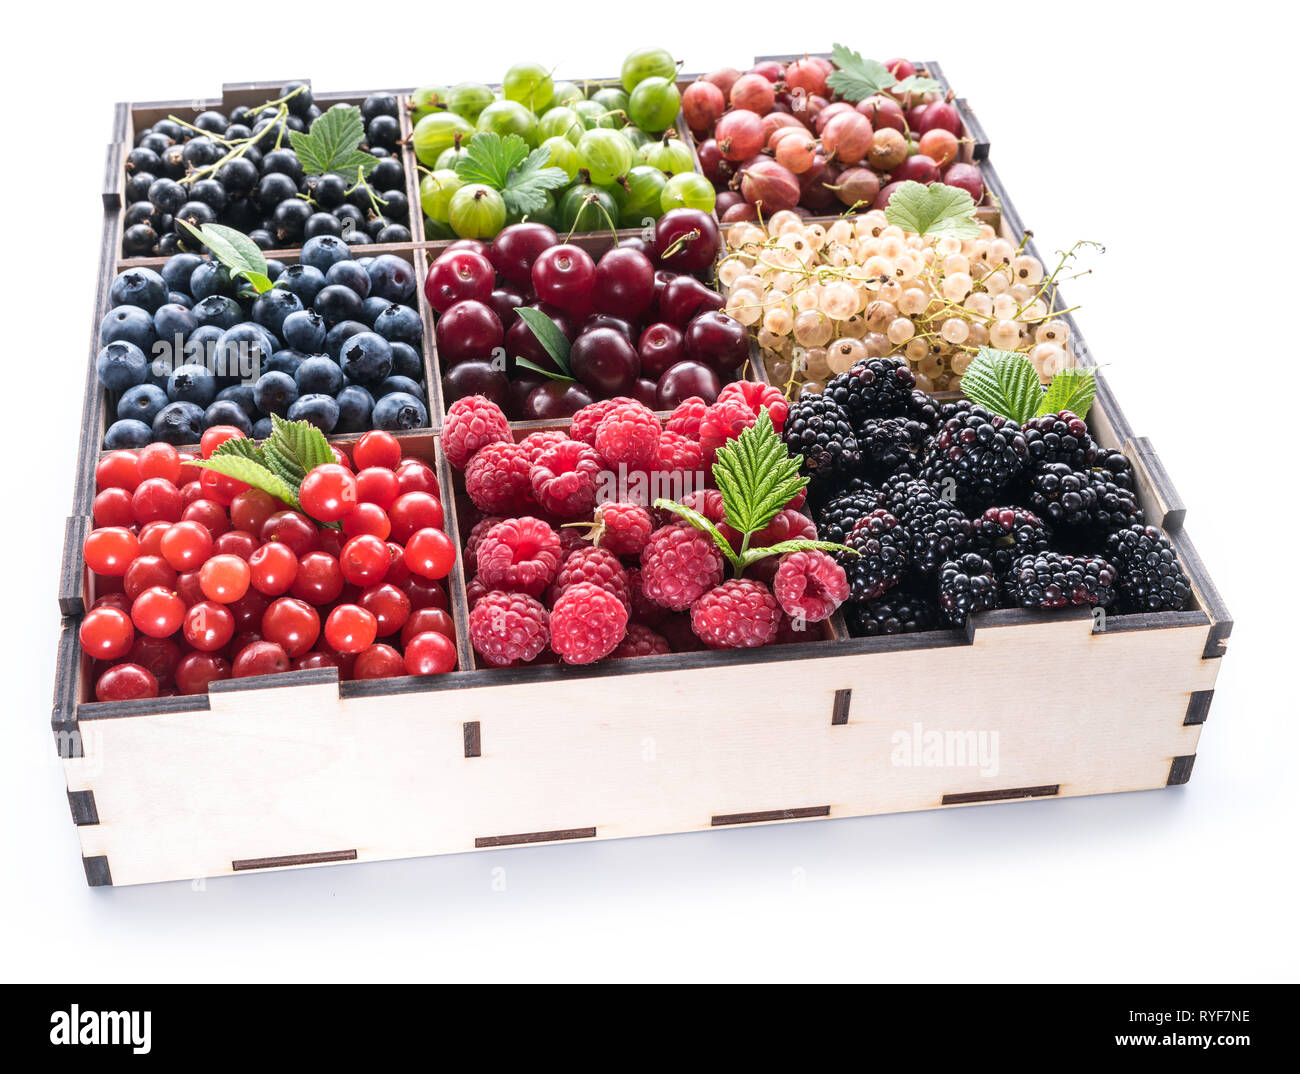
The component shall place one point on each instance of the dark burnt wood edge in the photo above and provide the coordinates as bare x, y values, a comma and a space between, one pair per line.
1048, 790
458, 599
473, 736
1175, 511
152, 706
840, 707
72, 579
429, 352
301, 677
1180, 770
1198, 707
484, 842
769, 816
411, 165
98, 874
282, 861
111, 194
67, 679
82, 804
1207, 593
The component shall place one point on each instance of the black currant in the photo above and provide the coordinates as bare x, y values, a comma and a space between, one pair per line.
238, 176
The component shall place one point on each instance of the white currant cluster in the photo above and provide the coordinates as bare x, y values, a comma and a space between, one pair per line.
821, 297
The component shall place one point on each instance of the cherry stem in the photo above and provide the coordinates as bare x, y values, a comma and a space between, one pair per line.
678, 243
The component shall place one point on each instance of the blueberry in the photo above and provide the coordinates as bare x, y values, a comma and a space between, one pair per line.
304, 330
272, 307
391, 278
218, 310
262, 429
179, 298
227, 412
192, 384
366, 358
275, 392
349, 274
302, 280
127, 433
242, 396
407, 362
170, 321
242, 352
179, 423
319, 375
340, 334
338, 302
371, 308
211, 278
141, 403
323, 251
201, 347
400, 384
121, 365
138, 287
400, 411
321, 410
274, 269
355, 407
284, 361
400, 324
130, 324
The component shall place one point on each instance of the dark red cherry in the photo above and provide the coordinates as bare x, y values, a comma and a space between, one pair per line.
467, 331
684, 380
717, 340
606, 320
521, 387
605, 361
475, 378
564, 276
625, 283
556, 399
686, 240
515, 249
646, 392
504, 302
684, 297
459, 275
660, 346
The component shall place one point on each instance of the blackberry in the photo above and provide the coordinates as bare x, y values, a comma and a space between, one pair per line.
838, 517
898, 612
1059, 437
818, 428
924, 410
880, 541
1005, 534
1100, 498
874, 387
889, 444
1149, 577
966, 584
936, 529
979, 452
1053, 580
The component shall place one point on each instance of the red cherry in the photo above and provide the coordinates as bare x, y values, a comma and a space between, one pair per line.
456, 276
214, 437
126, 682
424, 620
250, 510
273, 568
196, 670
110, 550
378, 485
117, 469
414, 511
377, 448
389, 605
260, 658
160, 460
350, 629
624, 284
208, 513
291, 528
292, 624
365, 560
430, 553
430, 654
146, 572
186, 545
113, 507
564, 276
378, 662
328, 492
319, 580
515, 249
208, 626
106, 633
367, 518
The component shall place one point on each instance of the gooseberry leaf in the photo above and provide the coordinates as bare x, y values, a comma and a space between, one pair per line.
1004, 382
489, 159
527, 184
934, 210
756, 476
918, 84
1071, 389
333, 143
856, 78
548, 334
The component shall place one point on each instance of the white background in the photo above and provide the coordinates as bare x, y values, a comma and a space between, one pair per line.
1156, 130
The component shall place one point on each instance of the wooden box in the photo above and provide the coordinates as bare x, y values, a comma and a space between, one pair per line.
299, 769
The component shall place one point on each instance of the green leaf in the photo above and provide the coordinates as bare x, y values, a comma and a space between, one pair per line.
232, 248
856, 78
548, 335
544, 372
526, 185
756, 476
1071, 389
301, 441
251, 473
489, 159
242, 447
701, 523
283, 464
1005, 383
917, 84
260, 281
752, 555
332, 143
938, 209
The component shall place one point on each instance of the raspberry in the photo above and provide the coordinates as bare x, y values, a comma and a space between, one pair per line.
520, 554
508, 628
685, 418
471, 423
786, 525
677, 454
469, 550
676, 628
587, 623
587, 420
622, 528
724, 420
644, 610
757, 397
740, 614
497, 478
564, 478
571, 540
810, 585
536, 443
595, 566
679, 564
640, 641
707, 502
629, 434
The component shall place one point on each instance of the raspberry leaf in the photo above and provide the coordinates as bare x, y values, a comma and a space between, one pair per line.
752, 555
1005, 383
856, 78
549, 336
1072, 390
301, 441
252, 473
756, 476
333, 143
938, 209
701, 523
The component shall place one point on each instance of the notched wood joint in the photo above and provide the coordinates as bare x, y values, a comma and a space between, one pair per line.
767, 816
473, 739
1198, 707
840, 707
83, 808
1048, 790
97, 873
534, 837
248, 864
1180, 770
